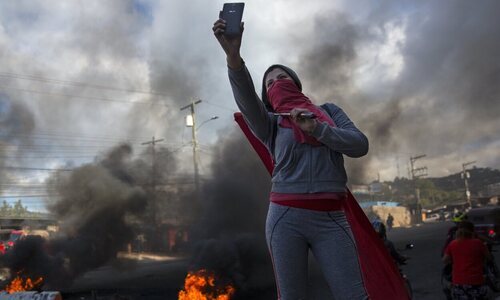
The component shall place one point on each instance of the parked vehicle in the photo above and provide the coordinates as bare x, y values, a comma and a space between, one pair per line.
15, 236
8, 238
432, 218
4, 237
486, 222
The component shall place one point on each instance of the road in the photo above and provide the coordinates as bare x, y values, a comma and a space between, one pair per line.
424, 267
150, 279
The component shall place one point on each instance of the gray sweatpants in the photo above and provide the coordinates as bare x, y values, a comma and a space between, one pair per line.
291, 232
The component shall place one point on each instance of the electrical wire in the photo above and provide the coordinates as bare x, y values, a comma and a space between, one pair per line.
67, 96
221, 106
33, 169
75, 83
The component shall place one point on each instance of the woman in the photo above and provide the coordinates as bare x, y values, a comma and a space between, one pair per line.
468, 255
308, 181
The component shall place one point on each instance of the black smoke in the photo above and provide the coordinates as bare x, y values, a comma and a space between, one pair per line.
99, 208
16, 125
231, 231
447, 88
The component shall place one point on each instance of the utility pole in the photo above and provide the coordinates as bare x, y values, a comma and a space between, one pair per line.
466, 175
195, 145
415, 171
415, 174
153, 143
397, 165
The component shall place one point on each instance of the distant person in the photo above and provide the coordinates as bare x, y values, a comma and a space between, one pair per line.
309, 179
390, 222
441, 216
140, 240
467, 255
382, 233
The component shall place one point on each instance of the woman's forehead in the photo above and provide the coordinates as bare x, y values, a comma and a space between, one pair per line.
275, 72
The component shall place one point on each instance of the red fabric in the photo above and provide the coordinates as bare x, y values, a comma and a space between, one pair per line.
467, 256
285, 96
315, 196
381, 277
314, 204
316, 201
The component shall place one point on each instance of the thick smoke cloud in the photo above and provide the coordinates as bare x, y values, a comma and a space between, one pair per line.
445, 89
75, 71
16, 124
238, 193
409, 74
231, 232
99, 208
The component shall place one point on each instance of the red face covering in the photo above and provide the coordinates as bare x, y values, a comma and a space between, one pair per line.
285, 96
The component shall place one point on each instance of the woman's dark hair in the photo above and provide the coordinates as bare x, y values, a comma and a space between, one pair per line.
289, 71
465, 230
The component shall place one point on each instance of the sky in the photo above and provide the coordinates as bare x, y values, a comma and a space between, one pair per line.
79, 77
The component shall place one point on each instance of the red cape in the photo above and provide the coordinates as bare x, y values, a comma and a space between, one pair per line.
380, 274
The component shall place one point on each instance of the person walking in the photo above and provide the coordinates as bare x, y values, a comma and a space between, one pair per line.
390, 222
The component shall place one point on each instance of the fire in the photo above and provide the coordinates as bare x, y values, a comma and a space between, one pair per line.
20, 285
200, 285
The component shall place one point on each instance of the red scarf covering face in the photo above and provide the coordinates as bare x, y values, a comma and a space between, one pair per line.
285, 96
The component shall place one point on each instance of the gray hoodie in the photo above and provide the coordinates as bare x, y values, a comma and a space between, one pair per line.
300, 168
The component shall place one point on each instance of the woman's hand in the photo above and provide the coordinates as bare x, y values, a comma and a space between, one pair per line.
230, 45
306, 124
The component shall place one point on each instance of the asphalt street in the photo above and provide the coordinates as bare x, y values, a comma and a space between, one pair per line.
161, 279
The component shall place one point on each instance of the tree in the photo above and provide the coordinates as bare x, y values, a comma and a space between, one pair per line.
5, 209
19, 210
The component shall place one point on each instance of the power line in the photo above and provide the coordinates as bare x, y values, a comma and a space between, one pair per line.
23, 183
33, 169
67, 147
72, 139
48, 157
75, 83
221, 106
28, 196
71, 134
81, 97
95, 86
36, 146
70, 147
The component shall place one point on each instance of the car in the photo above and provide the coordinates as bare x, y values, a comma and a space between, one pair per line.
8, 238
4, 238
486, 221
15, 236
432, 218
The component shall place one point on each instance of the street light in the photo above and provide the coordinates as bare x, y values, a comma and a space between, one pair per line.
195, 144
191, 122
206, 121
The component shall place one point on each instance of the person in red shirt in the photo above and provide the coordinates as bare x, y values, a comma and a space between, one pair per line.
467, 254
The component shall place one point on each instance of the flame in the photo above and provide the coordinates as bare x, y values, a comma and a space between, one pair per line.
19, 284
200, 285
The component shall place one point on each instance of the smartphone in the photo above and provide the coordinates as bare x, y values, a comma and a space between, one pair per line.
232, 14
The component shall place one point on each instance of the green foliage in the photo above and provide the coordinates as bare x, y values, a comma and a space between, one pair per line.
16, 210
404, 191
